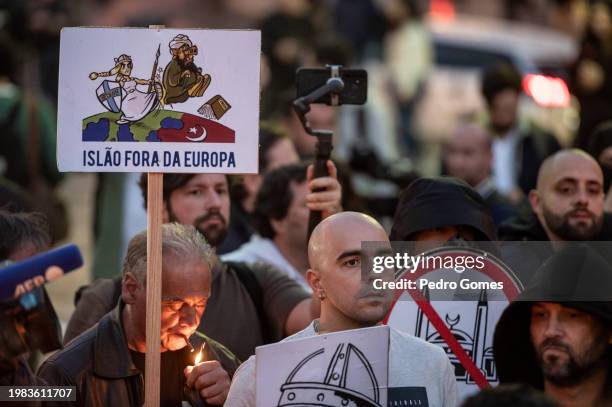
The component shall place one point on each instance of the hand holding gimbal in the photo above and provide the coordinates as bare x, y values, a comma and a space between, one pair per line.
333, 86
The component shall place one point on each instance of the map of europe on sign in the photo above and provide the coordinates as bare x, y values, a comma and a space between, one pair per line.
158, 100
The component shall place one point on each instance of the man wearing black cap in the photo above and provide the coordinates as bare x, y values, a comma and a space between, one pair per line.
557, 335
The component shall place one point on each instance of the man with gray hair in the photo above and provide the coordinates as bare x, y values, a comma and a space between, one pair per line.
106, 363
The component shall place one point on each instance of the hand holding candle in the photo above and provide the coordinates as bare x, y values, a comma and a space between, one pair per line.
209, 378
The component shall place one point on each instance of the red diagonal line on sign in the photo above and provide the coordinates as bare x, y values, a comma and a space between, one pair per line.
492, 270
450, 339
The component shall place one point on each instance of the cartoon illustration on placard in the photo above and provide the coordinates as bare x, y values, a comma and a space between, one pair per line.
461, 321
123, 95
474, 343
144, 109
182, 78
337, 386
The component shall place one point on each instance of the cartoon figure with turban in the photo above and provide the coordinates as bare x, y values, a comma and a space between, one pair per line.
182, 79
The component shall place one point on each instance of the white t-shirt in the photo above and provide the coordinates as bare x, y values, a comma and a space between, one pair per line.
259, 249
415, 367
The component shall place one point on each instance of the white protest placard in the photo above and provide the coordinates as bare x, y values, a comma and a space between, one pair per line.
348, 368
467, 313
158, 100
471, 322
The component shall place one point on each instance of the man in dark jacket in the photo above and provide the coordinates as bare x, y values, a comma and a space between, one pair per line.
567, 205
107, 362
518, 150
557, 335
468, 155
568, 199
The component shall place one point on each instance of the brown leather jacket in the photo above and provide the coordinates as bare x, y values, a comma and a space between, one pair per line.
99, 364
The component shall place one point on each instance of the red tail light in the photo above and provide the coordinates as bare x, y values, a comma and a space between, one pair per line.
443, 10
547, 91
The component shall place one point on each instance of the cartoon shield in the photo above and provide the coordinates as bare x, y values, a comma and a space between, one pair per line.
110, 94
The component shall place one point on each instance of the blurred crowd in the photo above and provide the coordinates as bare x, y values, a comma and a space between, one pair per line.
487, 142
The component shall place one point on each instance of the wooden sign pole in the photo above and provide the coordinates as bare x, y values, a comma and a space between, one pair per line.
154, 284
155, 184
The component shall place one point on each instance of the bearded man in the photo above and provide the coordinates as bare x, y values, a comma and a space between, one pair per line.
557, 335
567, 205
568, 202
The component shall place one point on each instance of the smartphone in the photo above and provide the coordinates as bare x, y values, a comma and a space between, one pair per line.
355, 90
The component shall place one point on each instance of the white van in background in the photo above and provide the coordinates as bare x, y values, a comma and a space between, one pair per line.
464, 46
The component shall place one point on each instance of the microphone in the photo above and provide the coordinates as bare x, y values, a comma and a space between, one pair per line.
19, 278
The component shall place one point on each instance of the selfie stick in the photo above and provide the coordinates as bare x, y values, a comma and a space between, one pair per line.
324, 145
